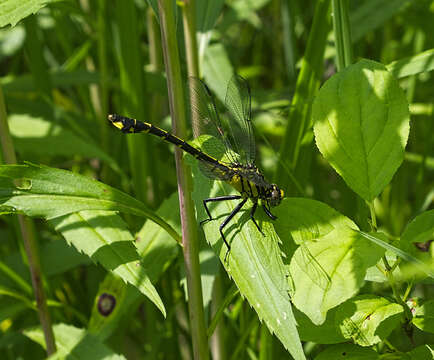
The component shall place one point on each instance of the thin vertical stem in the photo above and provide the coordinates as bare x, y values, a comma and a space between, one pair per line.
342, 31
29, 239
189, 20
190, 39
188, 221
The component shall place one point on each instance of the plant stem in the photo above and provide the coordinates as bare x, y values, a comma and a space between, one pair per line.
342, 32
29, 238
373, 216
185, 184
389, 269
189, 20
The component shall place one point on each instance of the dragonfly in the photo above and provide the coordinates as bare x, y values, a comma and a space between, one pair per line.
235, 132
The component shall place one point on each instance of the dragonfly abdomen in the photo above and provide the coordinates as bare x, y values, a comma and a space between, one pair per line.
129, 125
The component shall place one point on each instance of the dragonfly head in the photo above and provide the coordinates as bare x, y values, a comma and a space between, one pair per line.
276, 195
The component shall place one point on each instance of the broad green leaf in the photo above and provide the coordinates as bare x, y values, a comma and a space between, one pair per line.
103, 236
254, 262
46, 192
12, 11
326, 333
331, 262
38, 136
361, 126
347, 352
74, 343
368, 319
424, 317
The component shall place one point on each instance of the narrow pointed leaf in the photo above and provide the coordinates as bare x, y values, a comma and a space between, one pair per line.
254, 262
103, 236
46, 192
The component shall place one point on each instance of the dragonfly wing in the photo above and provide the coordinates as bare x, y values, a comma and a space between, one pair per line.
212, 173
238, 102
205, 118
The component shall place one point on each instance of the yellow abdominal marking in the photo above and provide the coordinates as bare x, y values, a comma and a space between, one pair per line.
235, 182
119, 125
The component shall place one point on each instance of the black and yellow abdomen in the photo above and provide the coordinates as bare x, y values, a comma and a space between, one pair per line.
128, 125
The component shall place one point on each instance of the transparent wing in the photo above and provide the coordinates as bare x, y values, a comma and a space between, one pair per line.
205, 118
238, 102
214, 174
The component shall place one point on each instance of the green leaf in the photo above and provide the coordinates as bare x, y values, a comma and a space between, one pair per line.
413, 65
330, 265
12, 11
74, 343
361, 126
420, 230
326, 333
424, 317
103, 236
34, 135
368, 319
46, 192
254, 262
157, 249
103, 324
347, 352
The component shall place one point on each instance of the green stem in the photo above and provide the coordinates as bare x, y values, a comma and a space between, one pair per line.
389, 269
342, 32
373, 216
185, 183
189, 20
29, 238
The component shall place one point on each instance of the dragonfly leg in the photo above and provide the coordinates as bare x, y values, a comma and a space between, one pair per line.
268, 212
225, 222
218, 198
252, 216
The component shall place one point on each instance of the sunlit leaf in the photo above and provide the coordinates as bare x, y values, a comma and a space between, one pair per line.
361, 126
